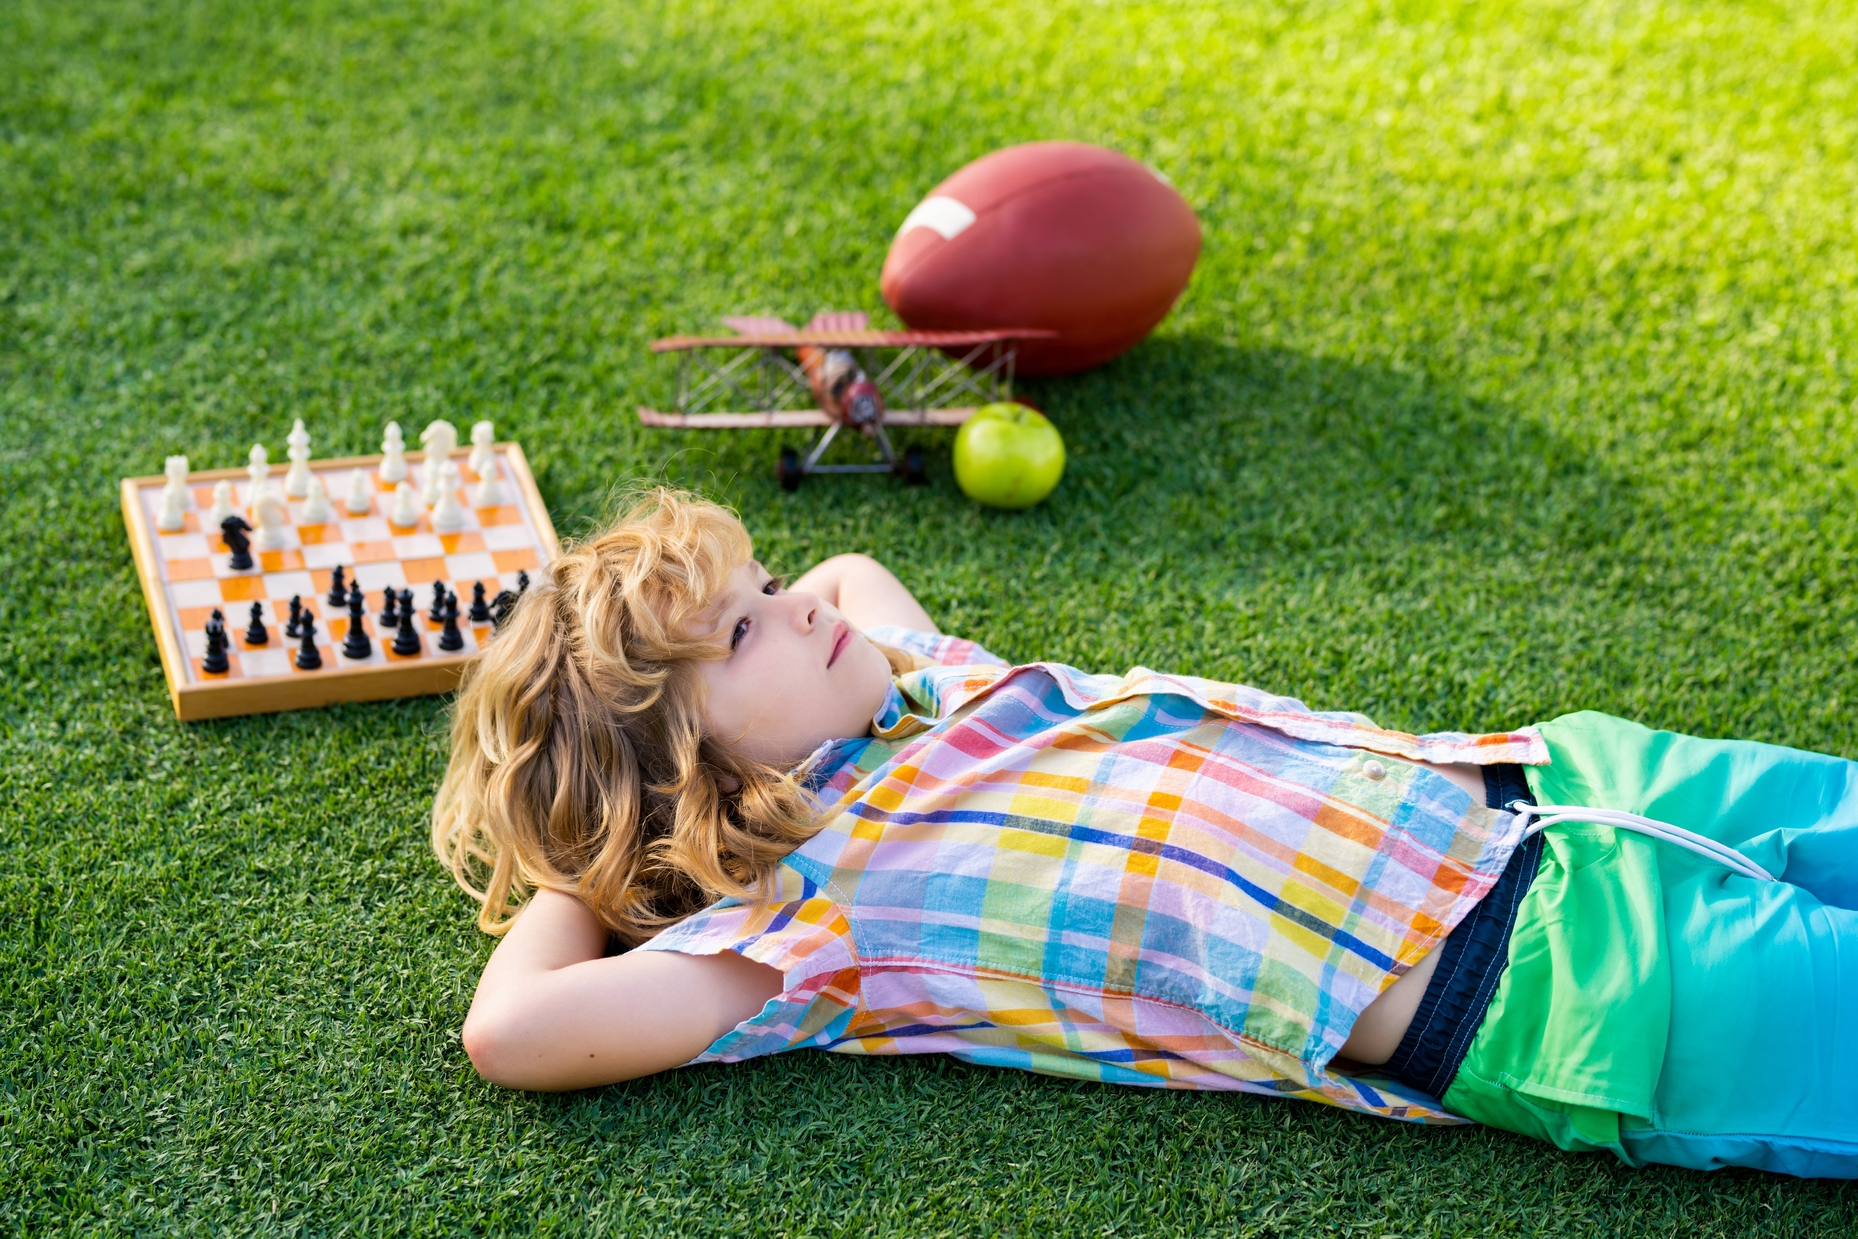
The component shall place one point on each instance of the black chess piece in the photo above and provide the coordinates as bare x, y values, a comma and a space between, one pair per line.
522, 582
390, 609
296, 616
356, 644
437, 612
309, 658
480, 610
500, 607
406, 641
255, 633
215, 662
406, 602
450, 639
233, 529
338, 588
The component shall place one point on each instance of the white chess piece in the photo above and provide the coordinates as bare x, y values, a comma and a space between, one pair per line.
448, 513
269, 514
393, 454
441, 440
297, 477
490, 490
406, 506
173, 496
483, 449
222, 505
360, 499
316, 509
258, 469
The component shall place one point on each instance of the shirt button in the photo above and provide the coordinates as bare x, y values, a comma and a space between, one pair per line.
1374, 770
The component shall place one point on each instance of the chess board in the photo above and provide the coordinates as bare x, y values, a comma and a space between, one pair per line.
186, 574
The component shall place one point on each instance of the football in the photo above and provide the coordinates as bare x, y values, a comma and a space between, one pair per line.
1066, 236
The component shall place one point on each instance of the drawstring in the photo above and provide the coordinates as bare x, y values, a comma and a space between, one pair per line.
1539, 817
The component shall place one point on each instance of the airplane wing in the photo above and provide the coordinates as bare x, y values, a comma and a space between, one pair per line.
757, 324
790, 338
840, 320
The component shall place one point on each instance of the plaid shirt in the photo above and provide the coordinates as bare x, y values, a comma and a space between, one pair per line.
1139, 879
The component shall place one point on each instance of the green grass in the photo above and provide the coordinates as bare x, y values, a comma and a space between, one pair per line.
1517, 377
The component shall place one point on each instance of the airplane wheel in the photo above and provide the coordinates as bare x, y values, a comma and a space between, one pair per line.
915, 472
788, 471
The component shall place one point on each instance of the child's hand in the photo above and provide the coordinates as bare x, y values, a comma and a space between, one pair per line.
553, 1012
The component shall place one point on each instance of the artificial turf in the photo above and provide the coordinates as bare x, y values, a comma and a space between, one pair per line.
1517, 377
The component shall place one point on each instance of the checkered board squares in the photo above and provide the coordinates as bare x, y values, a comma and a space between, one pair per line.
188, 573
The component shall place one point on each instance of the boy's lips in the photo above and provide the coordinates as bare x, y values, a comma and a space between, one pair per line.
841, 637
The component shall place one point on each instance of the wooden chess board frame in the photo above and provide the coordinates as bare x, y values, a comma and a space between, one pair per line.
433, 672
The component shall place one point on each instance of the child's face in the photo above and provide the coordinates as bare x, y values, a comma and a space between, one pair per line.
796, 676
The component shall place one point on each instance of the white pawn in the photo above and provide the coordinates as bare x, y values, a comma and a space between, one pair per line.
393, 454
316, 509
490, 490
269, 511
258, 469
483, 448
222, 505
406, 506
297, 477
173, 496
448, 513
441, 440
360, 499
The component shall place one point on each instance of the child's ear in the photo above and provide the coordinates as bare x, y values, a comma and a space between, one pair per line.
727, 784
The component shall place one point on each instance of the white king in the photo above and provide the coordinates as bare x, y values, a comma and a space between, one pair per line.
297, 477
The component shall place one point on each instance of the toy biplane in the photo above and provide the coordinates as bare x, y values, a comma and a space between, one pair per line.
837, 373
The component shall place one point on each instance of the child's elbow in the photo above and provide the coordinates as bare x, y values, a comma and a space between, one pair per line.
495, 1046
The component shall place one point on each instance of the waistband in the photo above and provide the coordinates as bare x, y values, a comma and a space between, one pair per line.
1471, 961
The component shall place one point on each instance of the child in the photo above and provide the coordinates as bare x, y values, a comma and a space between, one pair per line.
807, 819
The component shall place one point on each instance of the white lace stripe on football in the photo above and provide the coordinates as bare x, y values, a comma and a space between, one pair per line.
946, 215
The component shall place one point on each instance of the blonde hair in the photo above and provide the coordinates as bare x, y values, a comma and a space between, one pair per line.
579, 759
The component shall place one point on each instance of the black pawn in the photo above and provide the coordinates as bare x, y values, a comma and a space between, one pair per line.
480, 610
450, 639
390, 609
437, 612
309, 658
233, 529
215, 662
406, 602
522, 582
255, 633
406, 641
338, 588
356, 644
296, 616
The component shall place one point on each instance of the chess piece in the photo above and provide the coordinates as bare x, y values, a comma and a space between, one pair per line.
258, 469
393, 455
500, 607
338, 587
489, 491
441, 440
356, 645
255, 633
406, 507
360, 499
216, 662
406, 641
448, 513
269, 509
483, 449
297, 477
309, 658
173, 514
292, 628
450, 639
522, 582
406, 602
390, 609
316, 509
233, 529
480, 610
222, 505
437, 611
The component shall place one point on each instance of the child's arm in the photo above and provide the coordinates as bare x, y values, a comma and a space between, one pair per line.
553, 1012
865, 593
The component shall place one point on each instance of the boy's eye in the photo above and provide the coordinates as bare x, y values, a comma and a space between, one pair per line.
775, 585
735, 638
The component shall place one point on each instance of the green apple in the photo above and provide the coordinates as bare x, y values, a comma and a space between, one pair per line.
1008, 456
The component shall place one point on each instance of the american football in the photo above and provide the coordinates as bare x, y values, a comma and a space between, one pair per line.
1067, 236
